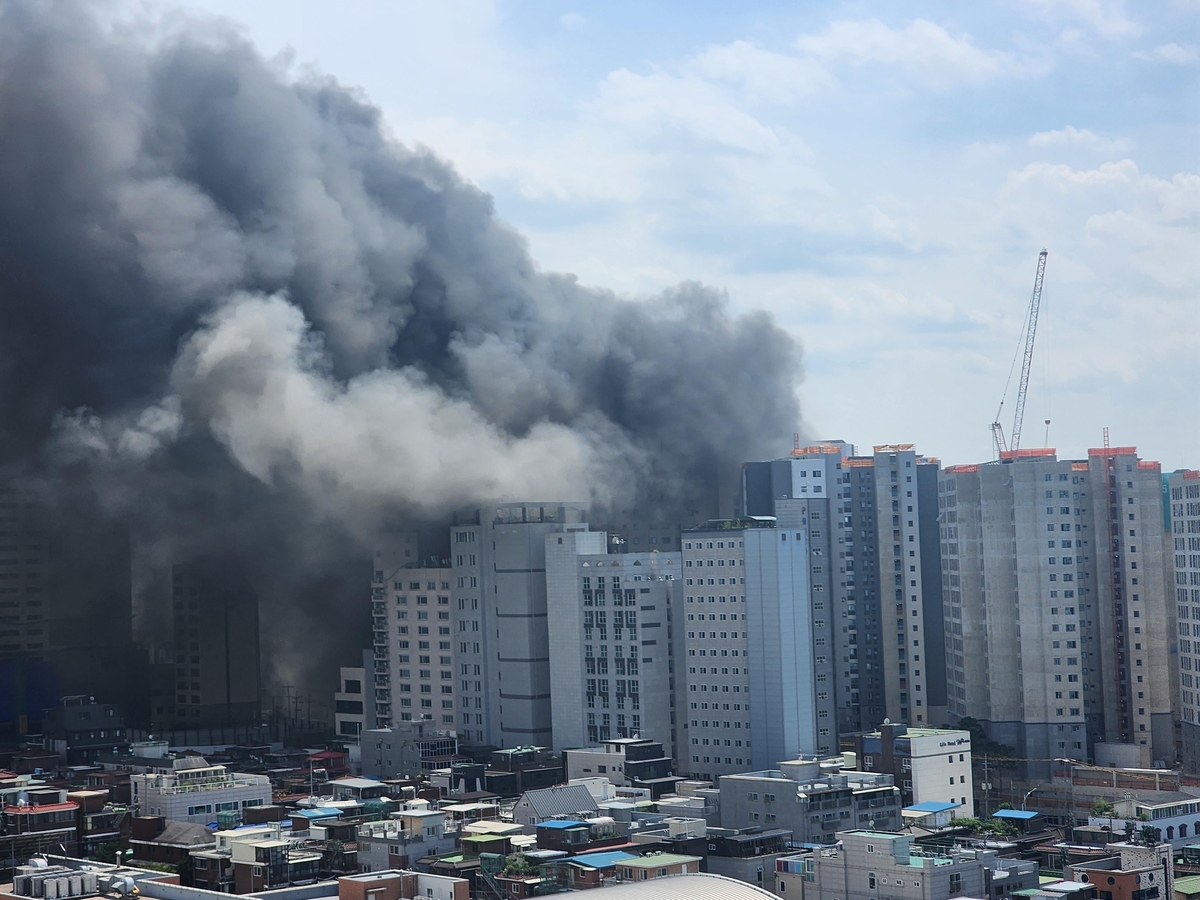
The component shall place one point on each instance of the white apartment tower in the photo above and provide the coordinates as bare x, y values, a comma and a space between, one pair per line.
414, 625
1057, 628
498, 557
1183, 489
609, 618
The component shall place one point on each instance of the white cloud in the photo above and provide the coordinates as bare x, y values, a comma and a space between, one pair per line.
572, 21
1176, 54
926, 52
1106, 18
763, 74
1078, 137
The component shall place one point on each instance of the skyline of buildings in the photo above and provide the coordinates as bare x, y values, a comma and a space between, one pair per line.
849, 590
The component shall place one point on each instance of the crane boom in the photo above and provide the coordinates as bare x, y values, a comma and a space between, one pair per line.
1035, 302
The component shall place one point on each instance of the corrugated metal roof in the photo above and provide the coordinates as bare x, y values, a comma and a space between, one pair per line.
681, 887
1017, 813
1188, 885
565, 800
931, 806
563, 823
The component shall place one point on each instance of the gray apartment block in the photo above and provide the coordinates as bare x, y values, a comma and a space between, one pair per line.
498, 554
1057, 627
609, 619
813, 800
1183, 499
881, 572
757, 642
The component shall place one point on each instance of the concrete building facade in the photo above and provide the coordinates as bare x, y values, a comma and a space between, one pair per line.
413, 618
881, 572
498, 557
609, 621
218, 678
756, 644
1057, 628
1183, 509
928, 764
812, 799
194, 791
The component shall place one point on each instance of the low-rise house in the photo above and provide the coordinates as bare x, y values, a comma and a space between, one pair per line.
395, 885
565, 801
398, 842
657, 865
154, 839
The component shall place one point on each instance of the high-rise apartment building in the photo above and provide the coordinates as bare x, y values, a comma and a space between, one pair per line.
881, 565
1183, 509
414, 619
610, 619
498, 557
755, 643
1057, 627
65, 608
217, 654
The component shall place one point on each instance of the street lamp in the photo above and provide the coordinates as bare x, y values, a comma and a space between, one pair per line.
1026, 797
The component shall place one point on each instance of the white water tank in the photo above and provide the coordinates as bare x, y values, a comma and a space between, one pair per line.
50, 889
75, 885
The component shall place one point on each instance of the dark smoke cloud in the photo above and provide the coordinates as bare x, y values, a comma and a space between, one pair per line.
238, 314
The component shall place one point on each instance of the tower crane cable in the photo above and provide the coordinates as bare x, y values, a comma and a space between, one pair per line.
1035, 303
1026, 338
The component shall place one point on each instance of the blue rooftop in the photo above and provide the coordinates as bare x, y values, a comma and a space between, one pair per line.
602, 860
559, 823
326, 813
1014, 814
932, 806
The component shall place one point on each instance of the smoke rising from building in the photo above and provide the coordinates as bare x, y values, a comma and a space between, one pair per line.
236, 315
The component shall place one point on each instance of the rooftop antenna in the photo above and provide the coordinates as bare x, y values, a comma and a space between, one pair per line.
1106, 445
1046, 442
795, 443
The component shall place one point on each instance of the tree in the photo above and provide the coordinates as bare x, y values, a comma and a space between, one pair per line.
1103, 808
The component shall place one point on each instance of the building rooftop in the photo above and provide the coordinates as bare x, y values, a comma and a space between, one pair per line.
1188, 885
657, 860
1022, 814
931, 806
563, 823
564, 800
602, 860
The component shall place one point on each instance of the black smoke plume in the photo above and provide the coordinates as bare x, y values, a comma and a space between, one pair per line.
236, 316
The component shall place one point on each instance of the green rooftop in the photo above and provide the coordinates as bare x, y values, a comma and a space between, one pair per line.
656, 860
1188, 885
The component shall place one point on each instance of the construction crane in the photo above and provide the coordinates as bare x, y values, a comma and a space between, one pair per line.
1029, 333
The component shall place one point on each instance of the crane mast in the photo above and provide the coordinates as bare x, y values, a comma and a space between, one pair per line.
1031, 320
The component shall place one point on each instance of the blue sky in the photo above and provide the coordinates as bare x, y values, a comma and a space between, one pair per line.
879, 176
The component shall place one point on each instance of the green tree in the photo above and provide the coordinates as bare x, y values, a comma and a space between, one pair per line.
1102, 808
